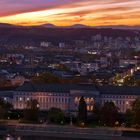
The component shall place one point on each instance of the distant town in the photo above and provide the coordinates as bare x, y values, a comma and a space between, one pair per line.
74, 55
78, 76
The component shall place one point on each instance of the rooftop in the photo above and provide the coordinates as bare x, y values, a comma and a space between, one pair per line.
63, 88
119, 90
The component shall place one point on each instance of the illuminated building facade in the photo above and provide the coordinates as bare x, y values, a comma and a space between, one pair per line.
66, 97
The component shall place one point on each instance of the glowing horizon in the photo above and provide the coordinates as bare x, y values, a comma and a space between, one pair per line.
69, 12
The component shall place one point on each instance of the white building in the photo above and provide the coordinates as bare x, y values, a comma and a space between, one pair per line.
66, 97
121, 96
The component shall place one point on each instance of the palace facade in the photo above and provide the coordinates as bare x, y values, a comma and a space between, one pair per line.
67, 96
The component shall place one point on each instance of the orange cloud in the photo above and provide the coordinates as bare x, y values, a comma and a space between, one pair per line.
90, 12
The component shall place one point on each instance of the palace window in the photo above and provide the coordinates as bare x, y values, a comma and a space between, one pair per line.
91, 108
127, 103
88, 100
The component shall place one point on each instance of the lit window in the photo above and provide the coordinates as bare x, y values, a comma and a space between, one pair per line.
91, 108
91, 99
37, 105
20, 99
127, 103
76, 99
88, 100
114, 102
88, 108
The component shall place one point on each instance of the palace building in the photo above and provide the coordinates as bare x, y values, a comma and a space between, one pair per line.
67, 96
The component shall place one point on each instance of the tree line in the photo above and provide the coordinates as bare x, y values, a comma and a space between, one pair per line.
101, 115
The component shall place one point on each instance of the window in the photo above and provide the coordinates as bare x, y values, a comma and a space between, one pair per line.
114, 102
127, 103
91, 108
88, 108
76, 99
88, 100
91, 99
44, 99
62, 100
65, 100
59, 99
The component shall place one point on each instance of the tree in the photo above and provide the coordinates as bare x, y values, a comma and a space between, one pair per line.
109, 114
55, 115
31, 111
96, 113
47, 78
129, 81
62, 67
4, 83
117, 79
137, 82
136, 111
94, 79
82, 110
129, 118
4, 108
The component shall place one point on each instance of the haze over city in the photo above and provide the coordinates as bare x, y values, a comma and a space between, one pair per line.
68, 12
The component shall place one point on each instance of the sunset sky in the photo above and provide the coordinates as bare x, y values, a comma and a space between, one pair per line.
68, 12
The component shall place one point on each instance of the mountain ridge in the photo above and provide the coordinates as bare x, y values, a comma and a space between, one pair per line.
49, 25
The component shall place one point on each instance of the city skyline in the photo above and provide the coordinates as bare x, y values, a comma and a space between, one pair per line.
68, 12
